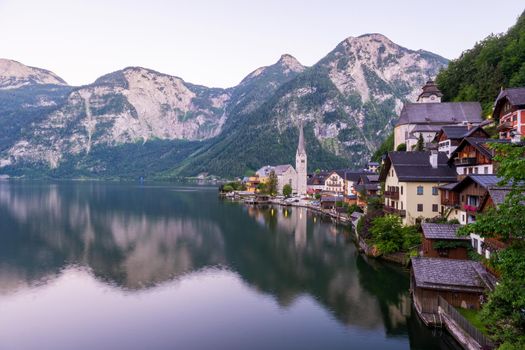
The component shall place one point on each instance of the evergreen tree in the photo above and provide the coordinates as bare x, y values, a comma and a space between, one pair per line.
420, 145
287, 190
272, 184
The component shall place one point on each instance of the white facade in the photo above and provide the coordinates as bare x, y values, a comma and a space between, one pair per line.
334, 183
301, 164
475, 169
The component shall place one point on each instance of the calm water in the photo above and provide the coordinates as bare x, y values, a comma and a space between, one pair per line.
112, 266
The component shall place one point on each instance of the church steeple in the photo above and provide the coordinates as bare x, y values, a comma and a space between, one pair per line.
301, 163
300, 145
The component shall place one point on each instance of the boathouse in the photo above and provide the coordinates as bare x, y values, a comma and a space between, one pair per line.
462, 283
442, 241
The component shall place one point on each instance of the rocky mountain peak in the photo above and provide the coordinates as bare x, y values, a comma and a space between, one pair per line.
291, 63
14, 74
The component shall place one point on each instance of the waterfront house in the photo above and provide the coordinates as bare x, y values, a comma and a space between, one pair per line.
474, 156
316, 181
411, 182
442, 241
509, 109
335, 182
429, 114
367, 186
462, 283
251, 183
330, 201
449, 136
468, 198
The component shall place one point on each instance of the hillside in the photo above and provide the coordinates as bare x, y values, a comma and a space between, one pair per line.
138, 122
479, 73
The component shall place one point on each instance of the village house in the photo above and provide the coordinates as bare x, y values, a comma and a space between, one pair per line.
509, 109
461, 283
366, 187
251, 183
442, 241
450, 136
474, 156
411, 182
468, 198
315, 183
335, 182
372, 167
428, 115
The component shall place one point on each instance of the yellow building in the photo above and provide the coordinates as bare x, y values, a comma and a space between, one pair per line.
411, 182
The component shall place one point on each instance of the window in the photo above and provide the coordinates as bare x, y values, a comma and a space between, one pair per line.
401, 205
475, 170
434, 208
419, 190
464, 171
486, 170
401, 189
435, 191
420, 207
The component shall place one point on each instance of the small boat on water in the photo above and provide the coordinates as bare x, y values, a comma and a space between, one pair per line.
258, 199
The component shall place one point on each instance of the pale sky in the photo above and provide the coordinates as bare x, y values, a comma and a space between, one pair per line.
217, 43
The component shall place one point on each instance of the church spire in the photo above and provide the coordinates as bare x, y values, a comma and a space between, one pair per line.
300, 145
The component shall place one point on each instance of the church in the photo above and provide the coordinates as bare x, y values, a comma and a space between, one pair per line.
286, 174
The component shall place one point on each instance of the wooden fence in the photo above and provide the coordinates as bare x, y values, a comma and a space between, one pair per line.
465, 325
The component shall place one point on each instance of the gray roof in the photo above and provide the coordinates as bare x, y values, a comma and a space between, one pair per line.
516, 96
449, 186
451, 274
415, 166
279, 169
426, 128
440, 113
498, 194
441, 231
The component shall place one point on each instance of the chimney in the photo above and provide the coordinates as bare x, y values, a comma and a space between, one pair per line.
433, 159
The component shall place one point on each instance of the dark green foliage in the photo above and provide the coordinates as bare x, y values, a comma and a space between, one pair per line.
271, 185
495, 62
287, 190
354, 208
450, 244
386, 146
402, 147
420, 145
390, 236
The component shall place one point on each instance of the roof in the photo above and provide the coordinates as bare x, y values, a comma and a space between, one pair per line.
440, 113
373, 164
451, 274
458, 132
279, 170
481, 144
449, 186
426, 128
415, 167
484, 180
441, 231
356, 215
516, 96
498, 194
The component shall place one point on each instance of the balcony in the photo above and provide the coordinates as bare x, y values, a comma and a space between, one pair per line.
450, 202
391, 210
465, 161
392, 194
506, 126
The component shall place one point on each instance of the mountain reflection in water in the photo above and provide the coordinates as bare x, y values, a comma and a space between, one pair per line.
181, 247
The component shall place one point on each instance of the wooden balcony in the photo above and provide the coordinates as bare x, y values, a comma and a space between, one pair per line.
390, 210
506, 126
450, 202
392, 194
465, 161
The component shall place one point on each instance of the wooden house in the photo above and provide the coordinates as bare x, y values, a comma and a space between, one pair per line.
442, 241
509, 109
474, 156
450, 136
462, 283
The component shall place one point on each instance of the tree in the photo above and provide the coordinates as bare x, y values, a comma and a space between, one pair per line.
402, 147
272, 184
504, 313
287, 190
390, 236
420, 145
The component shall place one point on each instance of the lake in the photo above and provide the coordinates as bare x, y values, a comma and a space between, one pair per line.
88, 265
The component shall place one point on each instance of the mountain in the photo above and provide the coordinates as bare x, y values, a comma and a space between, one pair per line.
138, 122
479, 73
14, 74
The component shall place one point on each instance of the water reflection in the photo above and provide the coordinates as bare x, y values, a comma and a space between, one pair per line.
135, 238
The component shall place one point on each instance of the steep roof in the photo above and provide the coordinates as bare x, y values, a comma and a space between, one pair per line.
441, 231
440, 113
456, 132
415, 167
267, 169
430, 88
481, 144
516, 96
451, 274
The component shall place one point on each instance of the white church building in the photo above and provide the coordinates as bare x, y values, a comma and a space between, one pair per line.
286, 174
